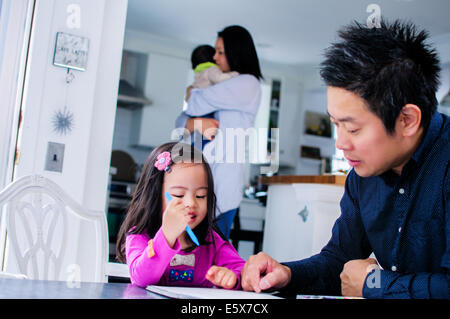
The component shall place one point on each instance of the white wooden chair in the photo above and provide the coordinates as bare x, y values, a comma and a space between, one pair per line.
49, 235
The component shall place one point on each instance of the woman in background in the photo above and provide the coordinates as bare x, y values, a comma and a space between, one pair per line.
235, 103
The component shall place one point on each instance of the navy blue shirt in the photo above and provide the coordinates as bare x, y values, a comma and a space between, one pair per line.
404, 220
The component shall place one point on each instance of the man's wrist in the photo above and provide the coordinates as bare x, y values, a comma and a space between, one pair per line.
289, 275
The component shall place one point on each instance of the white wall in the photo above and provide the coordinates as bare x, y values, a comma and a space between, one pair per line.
91, 97
313, 98
122, 136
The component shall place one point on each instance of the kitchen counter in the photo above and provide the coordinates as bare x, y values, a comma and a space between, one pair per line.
313, 179
300, 214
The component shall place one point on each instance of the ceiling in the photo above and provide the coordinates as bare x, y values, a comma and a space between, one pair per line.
285, 31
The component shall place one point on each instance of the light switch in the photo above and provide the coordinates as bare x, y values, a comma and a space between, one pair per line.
55, 157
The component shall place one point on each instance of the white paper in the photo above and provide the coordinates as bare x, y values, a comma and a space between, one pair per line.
207, 293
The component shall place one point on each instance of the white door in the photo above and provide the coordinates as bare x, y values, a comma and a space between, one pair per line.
15, 25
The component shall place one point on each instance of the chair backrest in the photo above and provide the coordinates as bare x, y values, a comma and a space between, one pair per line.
49, 235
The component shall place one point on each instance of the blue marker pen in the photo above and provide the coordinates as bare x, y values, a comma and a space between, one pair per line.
188, 229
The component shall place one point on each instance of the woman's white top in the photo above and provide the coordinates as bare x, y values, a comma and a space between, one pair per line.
235, 103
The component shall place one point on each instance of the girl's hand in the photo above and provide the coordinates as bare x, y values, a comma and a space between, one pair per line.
222, 277
174, 220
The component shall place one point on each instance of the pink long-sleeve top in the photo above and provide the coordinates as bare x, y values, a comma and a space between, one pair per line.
154, 262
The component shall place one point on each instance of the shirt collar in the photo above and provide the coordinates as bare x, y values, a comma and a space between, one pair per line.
202, 66
430, 137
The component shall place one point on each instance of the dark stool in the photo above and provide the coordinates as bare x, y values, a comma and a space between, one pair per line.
237, 234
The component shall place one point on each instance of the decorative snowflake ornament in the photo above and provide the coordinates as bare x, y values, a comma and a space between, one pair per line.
63, 121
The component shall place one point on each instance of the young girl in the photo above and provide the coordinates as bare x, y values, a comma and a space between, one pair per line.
153, 240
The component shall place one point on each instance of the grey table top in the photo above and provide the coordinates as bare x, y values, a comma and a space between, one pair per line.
46, 289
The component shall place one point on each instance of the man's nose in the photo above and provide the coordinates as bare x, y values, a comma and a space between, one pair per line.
342, 141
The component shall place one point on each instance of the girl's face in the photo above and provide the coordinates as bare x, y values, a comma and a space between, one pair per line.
189, 182
220, 57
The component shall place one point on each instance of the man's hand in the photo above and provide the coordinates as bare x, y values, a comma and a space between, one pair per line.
354, 275
261, 272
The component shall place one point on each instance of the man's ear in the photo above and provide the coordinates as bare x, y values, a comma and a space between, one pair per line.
409, 120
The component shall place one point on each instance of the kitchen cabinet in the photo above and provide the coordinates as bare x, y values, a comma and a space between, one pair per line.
274, 115
279, 110
283, 114
289, 122
300, 216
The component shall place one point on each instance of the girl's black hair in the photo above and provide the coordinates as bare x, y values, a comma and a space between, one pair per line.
240, 51
388, 66
202, 54
144, 213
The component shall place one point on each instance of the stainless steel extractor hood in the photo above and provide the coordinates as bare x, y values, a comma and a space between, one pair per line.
131, 97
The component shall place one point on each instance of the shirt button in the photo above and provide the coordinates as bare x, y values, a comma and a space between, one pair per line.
393, 268
401, 190
399, 229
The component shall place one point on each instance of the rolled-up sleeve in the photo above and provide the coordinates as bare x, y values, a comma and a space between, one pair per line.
236, 94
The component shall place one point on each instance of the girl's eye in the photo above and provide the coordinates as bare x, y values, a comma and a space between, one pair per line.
203, 196
179, 196
353, 131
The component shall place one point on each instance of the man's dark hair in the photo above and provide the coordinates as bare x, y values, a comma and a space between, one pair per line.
202, 54
240, 51
388, 67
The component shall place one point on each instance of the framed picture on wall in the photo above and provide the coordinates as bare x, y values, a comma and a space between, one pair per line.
317, 124
310, 152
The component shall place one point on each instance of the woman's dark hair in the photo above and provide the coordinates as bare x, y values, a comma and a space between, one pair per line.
388, 66
240, 51
202, 54
144, 214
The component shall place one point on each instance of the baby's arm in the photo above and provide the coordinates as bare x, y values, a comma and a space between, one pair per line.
148, 259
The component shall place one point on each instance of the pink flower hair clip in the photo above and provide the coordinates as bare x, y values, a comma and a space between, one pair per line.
163, 161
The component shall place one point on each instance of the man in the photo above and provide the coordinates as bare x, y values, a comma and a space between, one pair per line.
381, 97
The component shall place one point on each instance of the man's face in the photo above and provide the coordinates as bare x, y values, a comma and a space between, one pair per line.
367, 146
